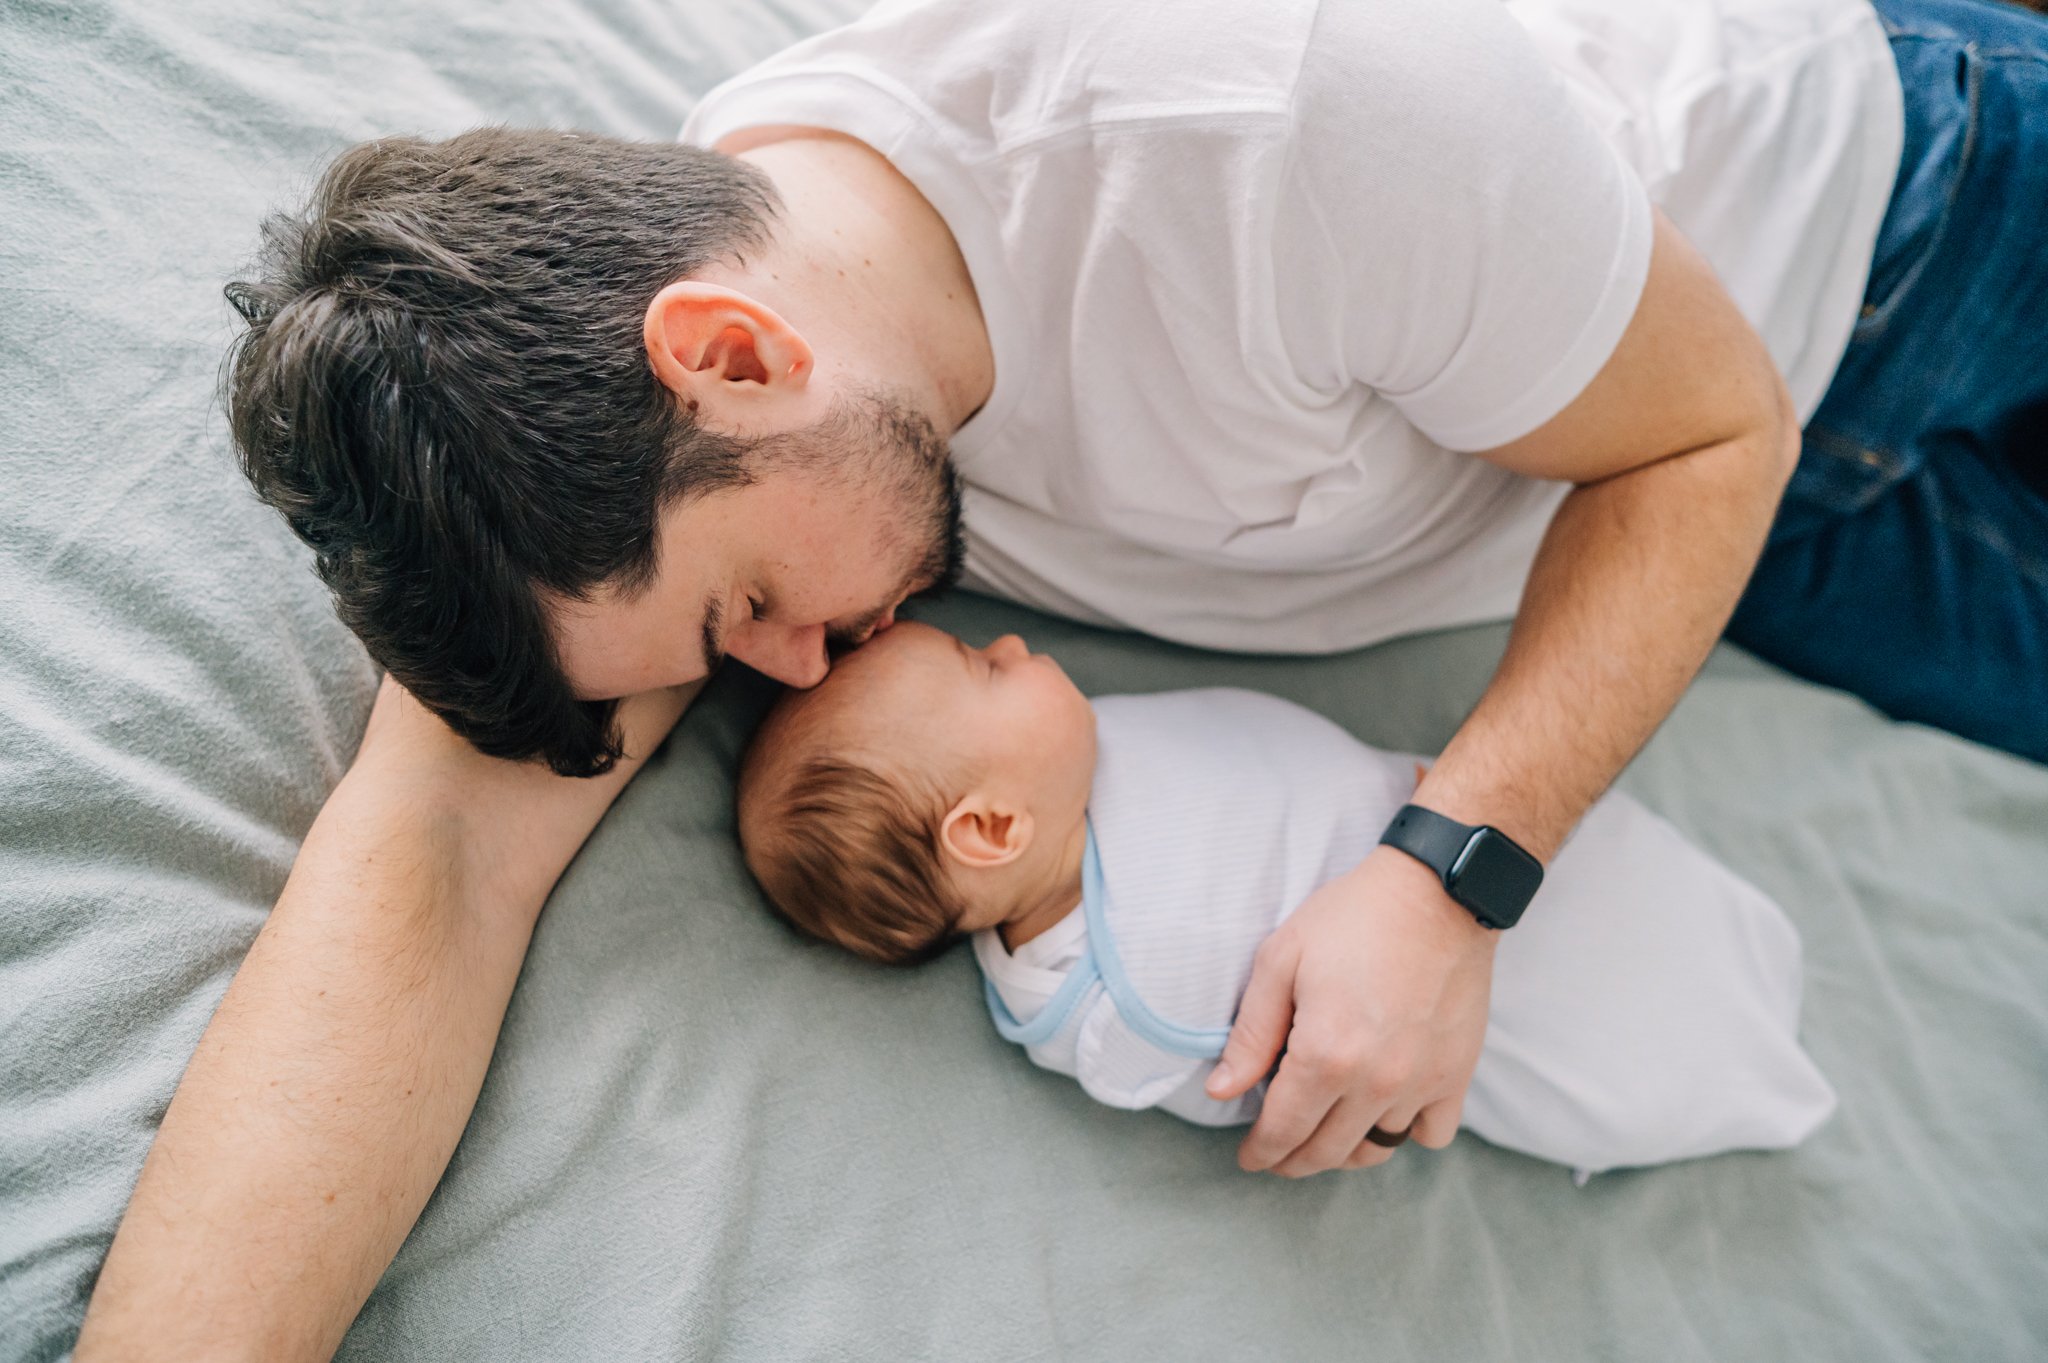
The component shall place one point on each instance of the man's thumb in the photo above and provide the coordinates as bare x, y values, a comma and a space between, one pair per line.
1260, 1032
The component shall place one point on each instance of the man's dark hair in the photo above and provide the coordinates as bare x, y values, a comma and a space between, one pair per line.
444, 388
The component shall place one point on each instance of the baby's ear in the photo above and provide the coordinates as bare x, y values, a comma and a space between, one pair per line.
981, 836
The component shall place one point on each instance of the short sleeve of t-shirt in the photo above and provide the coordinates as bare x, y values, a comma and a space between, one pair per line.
1454, 233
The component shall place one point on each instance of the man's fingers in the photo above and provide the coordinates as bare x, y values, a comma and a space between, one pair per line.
1263, 1020
1367, 1155
1398, 1120
1293, 1110
1334, 1142
1370, 1152
1436, 1124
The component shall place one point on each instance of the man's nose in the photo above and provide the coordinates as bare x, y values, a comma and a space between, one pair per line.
794, 656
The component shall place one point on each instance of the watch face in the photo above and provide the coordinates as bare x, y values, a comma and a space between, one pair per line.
1494, 878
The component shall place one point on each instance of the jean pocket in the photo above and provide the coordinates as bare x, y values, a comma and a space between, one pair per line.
1837, 477
1943, 79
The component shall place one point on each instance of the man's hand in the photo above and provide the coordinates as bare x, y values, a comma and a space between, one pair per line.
1390, 979
1679, 450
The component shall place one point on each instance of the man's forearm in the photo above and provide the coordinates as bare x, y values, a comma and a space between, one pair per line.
332, 1084
1377, 985
321, 1107
1633, 584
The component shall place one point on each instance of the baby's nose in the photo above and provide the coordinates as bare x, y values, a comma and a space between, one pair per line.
1009, 648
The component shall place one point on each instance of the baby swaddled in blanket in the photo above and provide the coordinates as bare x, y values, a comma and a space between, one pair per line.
1117, 865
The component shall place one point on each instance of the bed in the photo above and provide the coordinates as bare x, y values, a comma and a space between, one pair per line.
703, 1138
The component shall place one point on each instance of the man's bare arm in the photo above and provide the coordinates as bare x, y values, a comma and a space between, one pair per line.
1378, 984
332, 1084
1643, 563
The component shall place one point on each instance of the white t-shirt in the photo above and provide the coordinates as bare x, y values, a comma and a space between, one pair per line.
1645, 1009
1258, 278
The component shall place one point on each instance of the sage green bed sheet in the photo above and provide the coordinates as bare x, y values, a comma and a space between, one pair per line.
704, 1139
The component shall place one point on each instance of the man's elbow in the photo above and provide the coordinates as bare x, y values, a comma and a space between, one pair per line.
1780, 444
1758, 456
1745, 469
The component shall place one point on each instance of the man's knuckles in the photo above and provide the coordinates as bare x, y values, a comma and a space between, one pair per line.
1326, 1061
1347, 1062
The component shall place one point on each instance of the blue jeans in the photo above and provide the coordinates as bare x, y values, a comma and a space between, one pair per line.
1909, 561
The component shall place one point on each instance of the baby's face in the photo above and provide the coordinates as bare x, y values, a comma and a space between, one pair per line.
1002, 716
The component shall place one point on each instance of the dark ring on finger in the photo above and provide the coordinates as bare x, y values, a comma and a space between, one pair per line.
1389, 1139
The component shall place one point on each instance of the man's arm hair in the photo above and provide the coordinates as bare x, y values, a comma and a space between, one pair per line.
1679, 450
333, 1082
1642, 564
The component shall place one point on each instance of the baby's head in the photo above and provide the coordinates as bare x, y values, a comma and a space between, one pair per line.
922, 790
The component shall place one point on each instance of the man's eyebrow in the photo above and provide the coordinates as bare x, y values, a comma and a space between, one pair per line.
714, 633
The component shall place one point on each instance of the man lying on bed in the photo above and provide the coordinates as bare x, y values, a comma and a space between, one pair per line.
1281, 338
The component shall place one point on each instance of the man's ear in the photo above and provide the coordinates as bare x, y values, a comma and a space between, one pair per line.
981, 836
709, 345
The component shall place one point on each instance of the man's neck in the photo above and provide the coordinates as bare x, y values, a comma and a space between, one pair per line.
861, 247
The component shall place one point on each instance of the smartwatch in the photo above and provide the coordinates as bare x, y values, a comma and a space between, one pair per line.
1482, 868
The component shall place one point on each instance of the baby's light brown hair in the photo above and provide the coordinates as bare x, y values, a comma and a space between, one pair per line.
846, 849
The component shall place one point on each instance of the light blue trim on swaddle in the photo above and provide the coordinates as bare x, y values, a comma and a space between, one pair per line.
1052, 1017
1101, 962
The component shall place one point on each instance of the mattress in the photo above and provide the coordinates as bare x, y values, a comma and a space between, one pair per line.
704, 1138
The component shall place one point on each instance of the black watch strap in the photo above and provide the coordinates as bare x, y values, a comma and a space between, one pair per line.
1481, 867
1429, 837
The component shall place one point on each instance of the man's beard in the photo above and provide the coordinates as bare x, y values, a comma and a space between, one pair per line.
891, 452
940, 529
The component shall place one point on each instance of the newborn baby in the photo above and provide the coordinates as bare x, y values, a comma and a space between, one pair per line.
1118, 863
